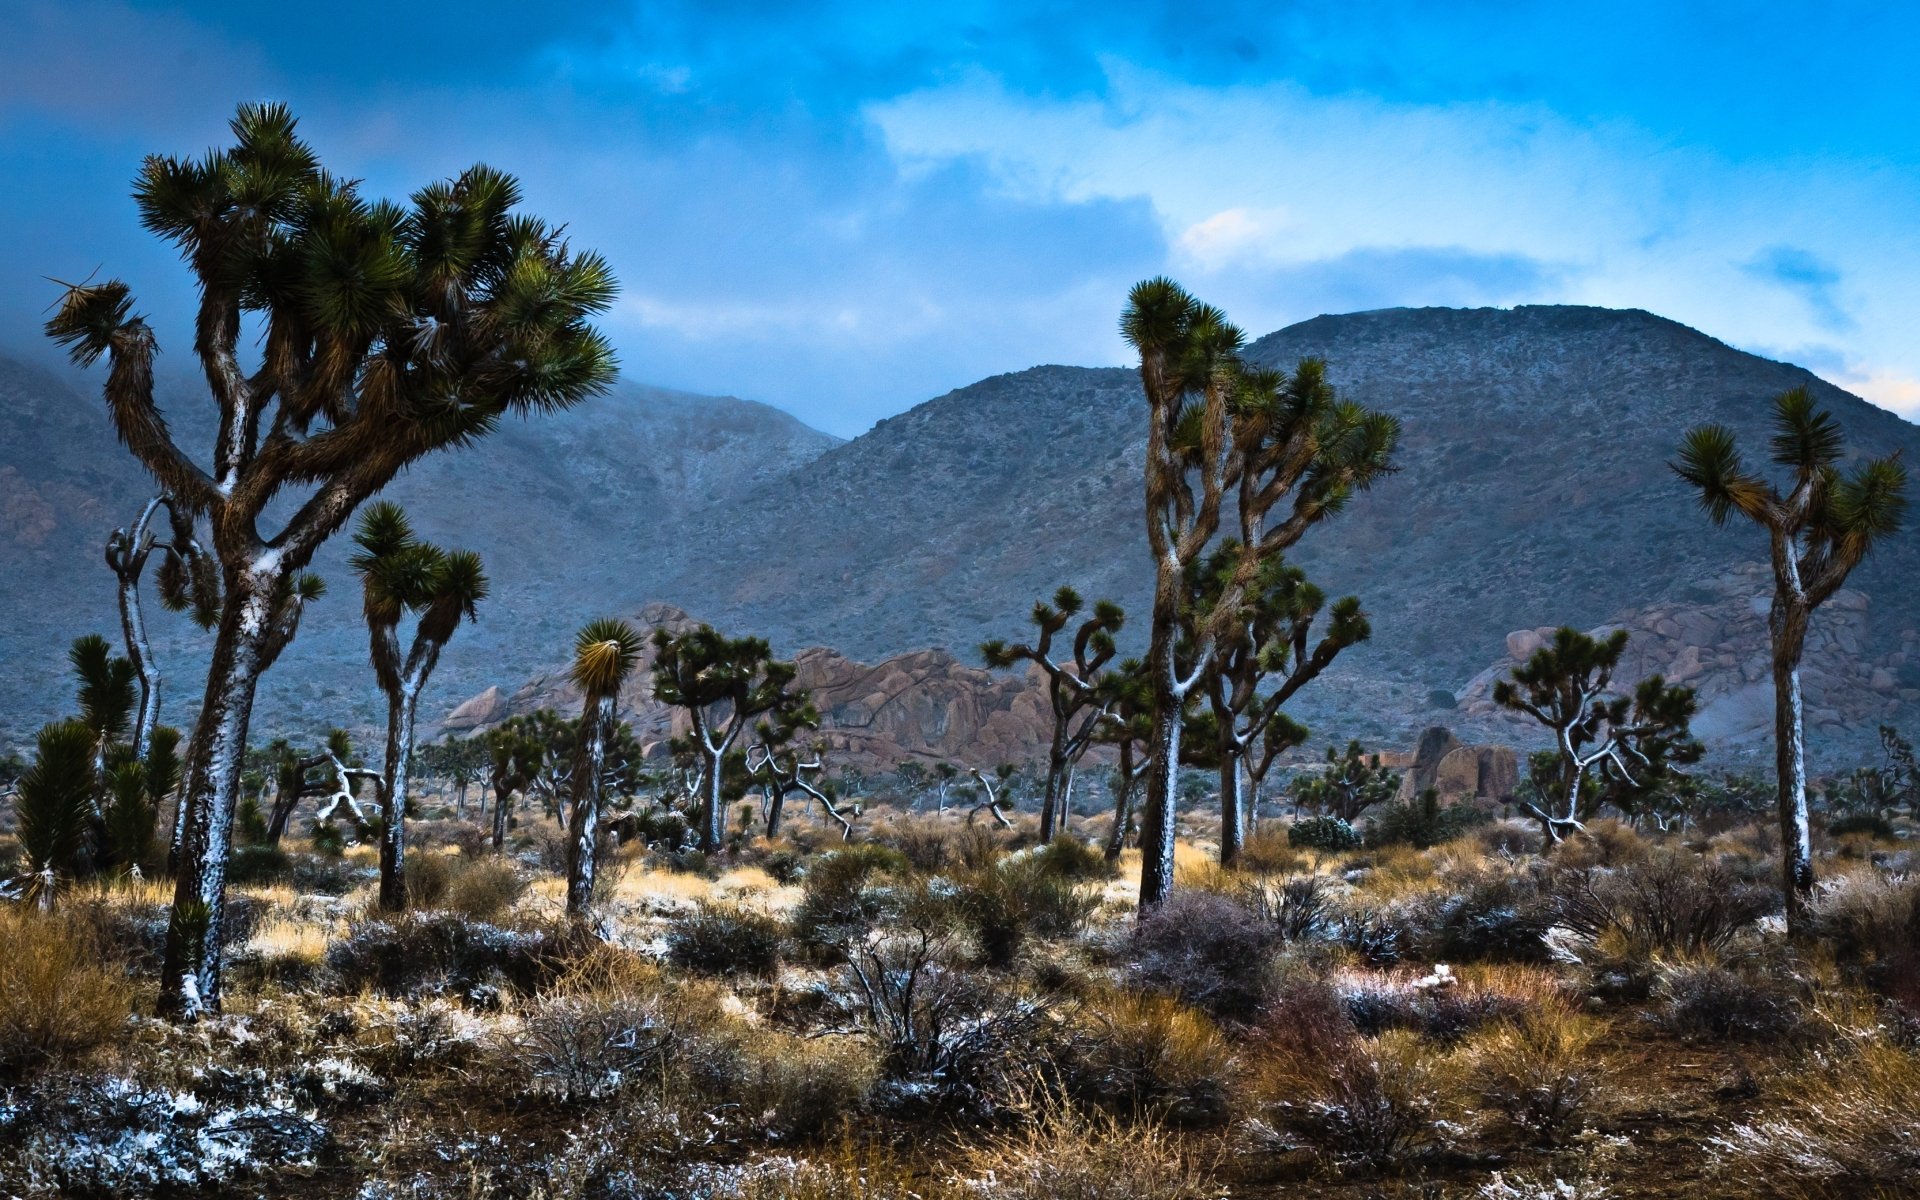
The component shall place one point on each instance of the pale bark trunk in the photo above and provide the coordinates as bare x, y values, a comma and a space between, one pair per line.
713, 827
190, 974
1056, 779
133, 627
1122, 805
1790, 763
393, 834
584, 835
501, 797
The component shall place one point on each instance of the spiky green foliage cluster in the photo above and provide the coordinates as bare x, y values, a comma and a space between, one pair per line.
604, 653
54, 801
402, 574
1837, 514
702, 668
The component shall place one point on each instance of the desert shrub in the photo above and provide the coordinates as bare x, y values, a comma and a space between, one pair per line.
1140, 1053
58, 999
255, 864
585, 1046
1423, 822
1510, 839
1539, 1072
1372, 937
1872, 926
1067, 857
1436, 1007
1300, 909
791, 1086
1869, 825
1003, 904
842, 894
1270, 850
1066, 1154
483, 888
1672, 902
405, 1038
1329, 835
1709, 1002
1606, 843
419, 954
1351, 1103
1212, 950
1844, 1128
1484, 916
931, 844
429, 876
950, 1038
727, 939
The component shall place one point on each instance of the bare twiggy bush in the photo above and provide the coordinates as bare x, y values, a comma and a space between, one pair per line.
576, 1047
720, 938
1705, 1001
1671, 902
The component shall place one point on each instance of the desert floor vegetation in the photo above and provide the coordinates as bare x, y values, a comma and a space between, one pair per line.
947, 1011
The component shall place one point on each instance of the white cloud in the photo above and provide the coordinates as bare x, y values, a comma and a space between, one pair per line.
1253, 183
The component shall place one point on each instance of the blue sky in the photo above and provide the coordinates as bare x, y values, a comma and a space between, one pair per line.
845, 209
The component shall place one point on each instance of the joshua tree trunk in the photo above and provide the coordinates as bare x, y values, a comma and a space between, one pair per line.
393, 833
501, 797
1233, 817
1788, 625
1122, 802
1157, 825
584, 834
776, 805
1057, 768
133, 628
190, 974
713, 812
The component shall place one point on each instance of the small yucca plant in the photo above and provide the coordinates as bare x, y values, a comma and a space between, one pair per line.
54, 805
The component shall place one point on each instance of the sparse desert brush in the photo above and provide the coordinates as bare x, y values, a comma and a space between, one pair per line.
1212, 949
1605, 843
1871, 923
1848, 1126
1066, 1153
1540, 1071
786, 1085
1024, 895
720, 938
1143, 1053
1668, 901
1707, 1001
1274, 849
484, 888
1354, 1104
58, 1000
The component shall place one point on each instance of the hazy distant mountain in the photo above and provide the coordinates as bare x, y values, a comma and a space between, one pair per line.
1533, 492
568, 511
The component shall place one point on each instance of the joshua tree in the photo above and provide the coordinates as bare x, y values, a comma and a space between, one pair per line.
944, 773
782, 769
513, 759
460, 761
1269, 643
188, 580
1216, 426
994, 799
399, 574
724, 684
1818, 531
1073, 690
387, 331
604, 655
1609, 747
1351, 783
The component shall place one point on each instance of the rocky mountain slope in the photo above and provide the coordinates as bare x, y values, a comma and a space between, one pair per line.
1533, 492
564, 509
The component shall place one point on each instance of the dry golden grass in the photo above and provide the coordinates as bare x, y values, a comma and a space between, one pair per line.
1541, 1074
58, 1001
1064, 1153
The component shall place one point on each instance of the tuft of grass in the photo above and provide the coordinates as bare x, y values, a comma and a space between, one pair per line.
58, 1001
